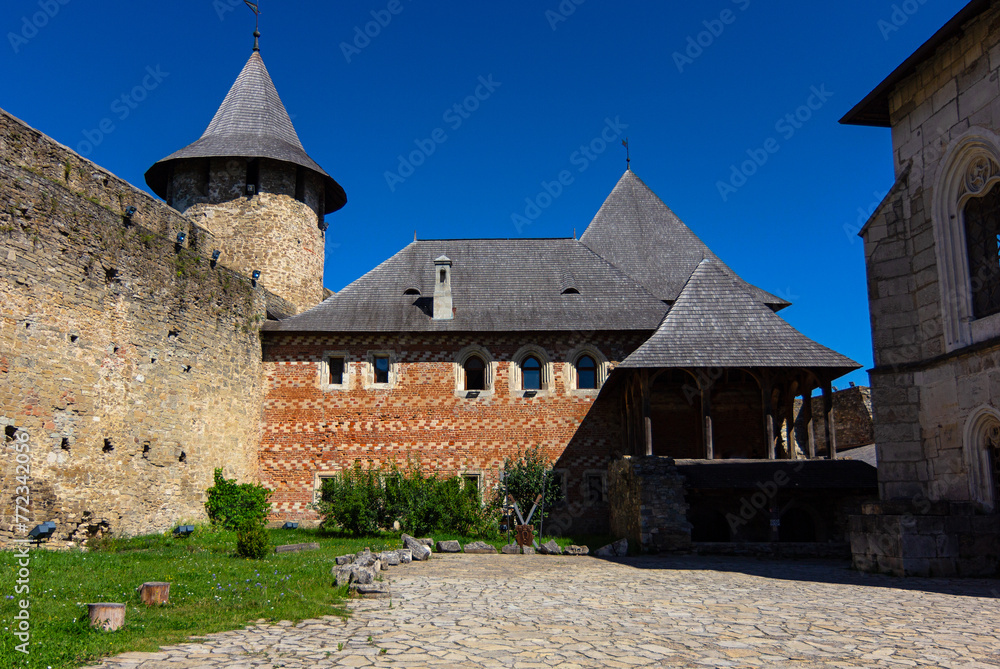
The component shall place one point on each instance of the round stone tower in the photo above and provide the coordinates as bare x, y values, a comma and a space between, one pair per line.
249, 182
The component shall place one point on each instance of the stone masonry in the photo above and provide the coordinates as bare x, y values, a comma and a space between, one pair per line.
130, 361
647, 504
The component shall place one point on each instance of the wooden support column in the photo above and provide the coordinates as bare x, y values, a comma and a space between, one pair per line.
706, 418
767, 388
647, 414
831, 430
807, 418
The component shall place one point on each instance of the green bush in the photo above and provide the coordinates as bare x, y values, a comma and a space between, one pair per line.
364, 501
524, 478
253, 541
234, 505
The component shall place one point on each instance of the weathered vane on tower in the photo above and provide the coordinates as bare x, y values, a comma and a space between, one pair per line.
256, 31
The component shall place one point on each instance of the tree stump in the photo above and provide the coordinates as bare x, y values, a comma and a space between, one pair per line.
107, 616
154, 592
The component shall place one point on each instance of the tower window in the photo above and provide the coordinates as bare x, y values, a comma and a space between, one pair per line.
586, 373
381, 367
443, 276
531, 374
475, 373
982, 234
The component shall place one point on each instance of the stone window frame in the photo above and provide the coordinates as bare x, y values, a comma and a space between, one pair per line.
563, 474
978, 459
969, 169
516, 380
324, 371
603, 370
585, 485
476, 474
318, 477
369, 378
490, 371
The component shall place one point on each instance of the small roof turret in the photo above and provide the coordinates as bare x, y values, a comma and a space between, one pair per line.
251, 123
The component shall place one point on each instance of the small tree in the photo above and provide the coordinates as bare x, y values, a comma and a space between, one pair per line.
237, 505
525, 477
354, 500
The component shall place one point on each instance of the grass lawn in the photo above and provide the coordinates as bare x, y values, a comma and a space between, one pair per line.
211, 591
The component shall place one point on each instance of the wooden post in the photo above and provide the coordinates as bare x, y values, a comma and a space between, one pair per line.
706, 416
766, 390
647, 419
154, 592
831, 431
107, 616
807, 417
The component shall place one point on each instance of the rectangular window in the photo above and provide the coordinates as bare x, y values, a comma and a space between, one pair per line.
336, 365
381, 364
595, 488
471, 481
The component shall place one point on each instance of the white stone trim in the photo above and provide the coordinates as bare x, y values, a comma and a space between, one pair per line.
977, 456
516, 381
324, 371
970, 167
369, 374
318, 482
603, 369
491, 369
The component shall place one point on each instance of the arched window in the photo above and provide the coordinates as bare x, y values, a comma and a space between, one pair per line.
475, 373
992, 446
982, 237
586, 373
531, 373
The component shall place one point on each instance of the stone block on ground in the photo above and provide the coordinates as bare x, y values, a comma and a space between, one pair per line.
353, 573
419, 550
550, 547
576, 550
449, 547
480, 548
345, 559
296, 548
527, 550
616, 549
405, 556
511, 549
427, 541
389, 559
377, 590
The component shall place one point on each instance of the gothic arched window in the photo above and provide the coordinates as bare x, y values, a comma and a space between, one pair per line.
531, 373
586, 373
982, 237
475, 373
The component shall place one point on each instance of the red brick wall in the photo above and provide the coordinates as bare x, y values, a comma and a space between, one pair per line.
309, 429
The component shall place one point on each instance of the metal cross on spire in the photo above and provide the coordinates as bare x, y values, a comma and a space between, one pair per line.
256, 31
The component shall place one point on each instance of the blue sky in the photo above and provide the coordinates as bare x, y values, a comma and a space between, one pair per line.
700, 86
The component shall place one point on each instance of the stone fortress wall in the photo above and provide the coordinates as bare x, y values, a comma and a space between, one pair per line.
131, 362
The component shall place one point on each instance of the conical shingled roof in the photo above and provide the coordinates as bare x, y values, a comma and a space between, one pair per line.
716, 322
635, 231
251, 123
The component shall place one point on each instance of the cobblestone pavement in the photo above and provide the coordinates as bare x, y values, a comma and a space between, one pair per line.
543, 611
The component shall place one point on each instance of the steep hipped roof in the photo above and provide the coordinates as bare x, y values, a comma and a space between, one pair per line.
874, 109
716, 322
635, 231
497, 285
251, 123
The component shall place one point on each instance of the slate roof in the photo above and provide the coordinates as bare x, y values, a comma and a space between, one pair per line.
498, 285
251, 123
717, 322
635, 231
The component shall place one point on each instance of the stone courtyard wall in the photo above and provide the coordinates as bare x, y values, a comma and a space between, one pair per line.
129, 361
647, 504
311, 431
